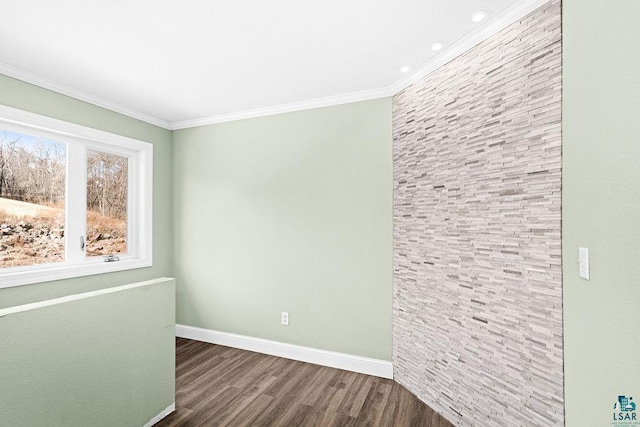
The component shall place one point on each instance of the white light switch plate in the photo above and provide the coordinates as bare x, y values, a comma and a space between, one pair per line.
583, 262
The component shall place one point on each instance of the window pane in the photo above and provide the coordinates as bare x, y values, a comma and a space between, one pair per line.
32, 187
106, 203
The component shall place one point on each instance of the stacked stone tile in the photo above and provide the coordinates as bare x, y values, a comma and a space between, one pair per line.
477, 251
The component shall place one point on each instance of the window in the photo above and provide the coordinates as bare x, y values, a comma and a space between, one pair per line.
106, 203
74, 201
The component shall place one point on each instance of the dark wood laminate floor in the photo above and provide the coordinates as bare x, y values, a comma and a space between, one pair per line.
222, 386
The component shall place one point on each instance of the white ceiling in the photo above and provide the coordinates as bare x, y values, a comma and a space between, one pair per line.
173, 62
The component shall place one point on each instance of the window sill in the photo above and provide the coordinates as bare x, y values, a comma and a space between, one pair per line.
51, 272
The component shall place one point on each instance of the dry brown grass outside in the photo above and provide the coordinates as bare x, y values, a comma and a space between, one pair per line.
105, 235
32, 234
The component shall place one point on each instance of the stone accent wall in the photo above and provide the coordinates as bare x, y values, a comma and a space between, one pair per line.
477, 316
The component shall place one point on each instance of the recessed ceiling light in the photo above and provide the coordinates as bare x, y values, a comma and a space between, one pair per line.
404, 68
435, 46
479, 16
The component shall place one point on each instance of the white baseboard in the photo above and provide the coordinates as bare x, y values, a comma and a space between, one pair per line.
348, 362
169, 409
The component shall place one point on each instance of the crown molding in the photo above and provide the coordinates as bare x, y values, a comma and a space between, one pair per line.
496, 24
286, 108
462, 45
25, 76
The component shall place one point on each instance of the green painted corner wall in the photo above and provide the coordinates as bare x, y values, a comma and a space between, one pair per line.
601, 206
18, 94
309, 230
292, 213
102, 360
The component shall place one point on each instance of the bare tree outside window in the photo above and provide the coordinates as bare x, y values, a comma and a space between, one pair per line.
74, 201
32, 196
107, 176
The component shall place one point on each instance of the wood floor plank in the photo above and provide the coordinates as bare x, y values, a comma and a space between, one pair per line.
373, 408
252, 413
251, 394
222, 386
359, 391
314, 396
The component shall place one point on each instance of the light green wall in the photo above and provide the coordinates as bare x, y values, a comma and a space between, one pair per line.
107, 360
18, 94
288, 213
601, 206
283, 213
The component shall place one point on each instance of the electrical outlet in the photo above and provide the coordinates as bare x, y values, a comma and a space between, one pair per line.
284, 318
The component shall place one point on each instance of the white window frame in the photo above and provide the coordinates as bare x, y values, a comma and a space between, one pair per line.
78, 140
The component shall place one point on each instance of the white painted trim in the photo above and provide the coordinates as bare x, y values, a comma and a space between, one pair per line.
64, 128
286, 108
140, 221
76, 297
496, 24
169, 409
20, 276
483, 32
25, 76
462, 45
332, 359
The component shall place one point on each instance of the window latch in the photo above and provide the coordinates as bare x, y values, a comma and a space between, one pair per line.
81, 242
111, 258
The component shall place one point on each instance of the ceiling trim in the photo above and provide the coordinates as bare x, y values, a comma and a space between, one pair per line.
496, 24
286, 108
462, 45
25, 76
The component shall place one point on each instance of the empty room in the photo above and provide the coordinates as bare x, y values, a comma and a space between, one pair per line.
297, 213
